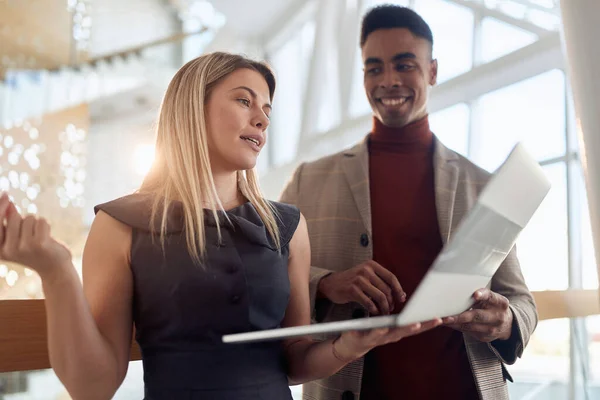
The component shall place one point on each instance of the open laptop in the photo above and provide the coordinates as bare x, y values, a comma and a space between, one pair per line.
467, 262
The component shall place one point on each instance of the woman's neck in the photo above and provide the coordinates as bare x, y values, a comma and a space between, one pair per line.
228, 191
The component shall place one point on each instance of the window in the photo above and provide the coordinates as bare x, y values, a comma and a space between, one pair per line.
291, 63
359, 104
543, 371
531, 111
452, 27
593, 345
451, 126
329, 95
542, 247
499, 38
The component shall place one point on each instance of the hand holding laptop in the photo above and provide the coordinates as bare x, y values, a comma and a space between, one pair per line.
368, 284
352, 345
489, 319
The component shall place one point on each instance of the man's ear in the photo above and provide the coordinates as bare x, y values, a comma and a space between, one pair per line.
433, 71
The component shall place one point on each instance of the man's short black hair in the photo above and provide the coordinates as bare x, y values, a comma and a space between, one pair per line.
389, 16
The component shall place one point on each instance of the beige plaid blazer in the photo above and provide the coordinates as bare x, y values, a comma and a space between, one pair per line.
333, 194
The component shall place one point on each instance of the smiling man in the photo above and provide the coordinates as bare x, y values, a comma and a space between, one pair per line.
379, 213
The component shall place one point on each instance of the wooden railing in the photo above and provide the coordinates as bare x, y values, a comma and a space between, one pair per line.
23, 345
23, 340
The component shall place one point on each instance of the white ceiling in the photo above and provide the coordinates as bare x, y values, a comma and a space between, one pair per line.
254, 17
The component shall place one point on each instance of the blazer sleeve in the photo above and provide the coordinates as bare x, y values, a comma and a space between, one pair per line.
509, 282
291, 195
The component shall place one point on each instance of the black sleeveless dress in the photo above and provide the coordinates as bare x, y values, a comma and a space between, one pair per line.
181, 310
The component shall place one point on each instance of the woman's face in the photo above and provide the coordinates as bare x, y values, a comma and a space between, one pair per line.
237, 113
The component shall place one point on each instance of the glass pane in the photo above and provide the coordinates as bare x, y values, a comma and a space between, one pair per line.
291, 63
593, 331
451, 126
500, 38
542, 247
329, 94
452, 27
359, 104
531, 111
512, 8
543, 371
544, 19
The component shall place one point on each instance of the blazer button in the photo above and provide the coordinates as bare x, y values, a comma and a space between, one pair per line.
358, 313
347, 395
364, 240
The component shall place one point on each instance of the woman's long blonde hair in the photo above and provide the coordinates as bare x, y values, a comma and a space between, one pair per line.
181, 169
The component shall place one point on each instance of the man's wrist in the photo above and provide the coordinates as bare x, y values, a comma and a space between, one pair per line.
507, 334
320, 287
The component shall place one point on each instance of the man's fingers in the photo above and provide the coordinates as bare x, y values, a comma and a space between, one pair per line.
489, 299
381, 286
475, 321
381, 299
390, 279
364, 300
480, 330
476, 315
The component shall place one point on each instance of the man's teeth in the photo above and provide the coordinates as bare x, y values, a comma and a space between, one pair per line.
252, 140
393, 102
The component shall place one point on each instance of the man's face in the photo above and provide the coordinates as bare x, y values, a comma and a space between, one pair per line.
398, 71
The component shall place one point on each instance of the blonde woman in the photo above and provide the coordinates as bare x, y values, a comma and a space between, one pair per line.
196, 253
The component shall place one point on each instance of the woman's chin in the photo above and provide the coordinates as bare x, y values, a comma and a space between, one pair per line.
243, 165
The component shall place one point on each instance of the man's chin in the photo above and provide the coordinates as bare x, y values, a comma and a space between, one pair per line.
395, 121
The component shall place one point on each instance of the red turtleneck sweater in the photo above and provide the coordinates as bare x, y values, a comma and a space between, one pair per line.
406, 240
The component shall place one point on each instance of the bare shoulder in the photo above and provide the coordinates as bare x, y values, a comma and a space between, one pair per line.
300, 243
108, 236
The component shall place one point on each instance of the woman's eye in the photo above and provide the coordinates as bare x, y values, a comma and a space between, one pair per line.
245, 102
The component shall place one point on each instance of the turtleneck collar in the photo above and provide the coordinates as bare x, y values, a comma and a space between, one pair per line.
414, 137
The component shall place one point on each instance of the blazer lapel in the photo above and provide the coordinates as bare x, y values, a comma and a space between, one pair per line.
446, 182
355, 164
